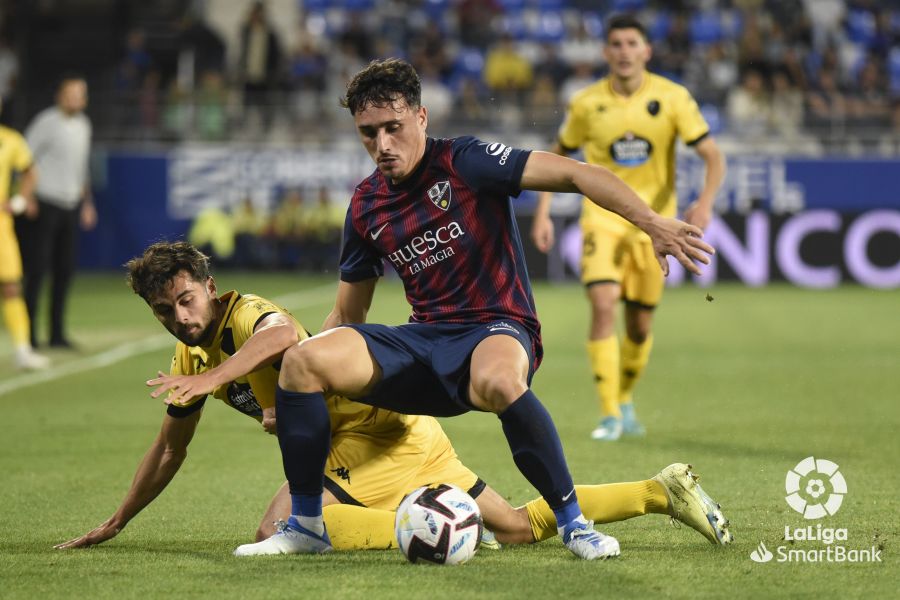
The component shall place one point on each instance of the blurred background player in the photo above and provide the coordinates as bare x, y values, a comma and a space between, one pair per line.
60, 137
15, 158
628, 122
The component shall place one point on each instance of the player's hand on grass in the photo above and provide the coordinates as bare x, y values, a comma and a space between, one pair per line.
183, 388
698, 214
542, 233
98, 535
672, 237
268, 420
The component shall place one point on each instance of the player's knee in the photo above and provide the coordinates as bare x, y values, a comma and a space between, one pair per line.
498, 389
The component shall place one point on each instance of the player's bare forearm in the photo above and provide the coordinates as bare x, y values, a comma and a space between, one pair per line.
714, 160
27, 183
549, 172
273, 335
351, 304
159, 465
699, 212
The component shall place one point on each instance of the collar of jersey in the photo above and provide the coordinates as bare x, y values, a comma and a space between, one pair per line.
417, 174
231, 297
625, 99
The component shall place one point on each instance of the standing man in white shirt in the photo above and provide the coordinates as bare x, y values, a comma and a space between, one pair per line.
60, 139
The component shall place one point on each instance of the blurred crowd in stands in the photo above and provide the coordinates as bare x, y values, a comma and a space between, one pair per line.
304, 232
760, 68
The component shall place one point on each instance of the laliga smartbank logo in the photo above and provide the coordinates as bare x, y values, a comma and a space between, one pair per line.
815, 489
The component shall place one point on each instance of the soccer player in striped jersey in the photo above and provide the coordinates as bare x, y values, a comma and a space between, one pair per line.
439, 211
628, 122
378, 456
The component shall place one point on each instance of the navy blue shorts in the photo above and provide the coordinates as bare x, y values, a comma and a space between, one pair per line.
425, 367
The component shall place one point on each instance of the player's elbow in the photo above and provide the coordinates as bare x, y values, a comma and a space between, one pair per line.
283, 336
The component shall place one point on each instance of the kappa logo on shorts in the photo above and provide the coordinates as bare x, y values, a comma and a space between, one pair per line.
343, 473
441, 194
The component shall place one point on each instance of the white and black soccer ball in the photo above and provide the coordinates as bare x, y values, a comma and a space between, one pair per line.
440, 524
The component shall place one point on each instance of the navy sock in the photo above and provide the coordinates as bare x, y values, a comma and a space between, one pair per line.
538, 453
304, 434
306, 505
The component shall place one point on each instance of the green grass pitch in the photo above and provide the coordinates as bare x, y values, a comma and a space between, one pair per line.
743, 387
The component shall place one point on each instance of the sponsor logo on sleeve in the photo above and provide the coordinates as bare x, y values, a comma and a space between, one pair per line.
501, 150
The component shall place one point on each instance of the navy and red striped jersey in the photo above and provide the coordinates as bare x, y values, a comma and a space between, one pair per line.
449, 232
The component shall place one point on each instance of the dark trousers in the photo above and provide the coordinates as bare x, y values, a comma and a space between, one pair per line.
48, 243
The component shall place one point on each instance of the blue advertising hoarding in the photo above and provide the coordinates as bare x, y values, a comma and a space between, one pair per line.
839, 217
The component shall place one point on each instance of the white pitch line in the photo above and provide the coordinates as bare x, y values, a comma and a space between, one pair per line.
127, 350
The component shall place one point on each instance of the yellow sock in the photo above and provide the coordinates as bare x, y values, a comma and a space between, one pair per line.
605, 503
16, 316
634, 360
359, 528
604, 357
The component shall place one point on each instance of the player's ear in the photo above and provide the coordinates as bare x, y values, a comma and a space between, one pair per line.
422, 117
211, 286
648, 53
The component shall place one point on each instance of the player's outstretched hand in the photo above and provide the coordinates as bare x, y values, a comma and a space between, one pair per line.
268, 421
183, 387
106, 530
542, 233
672, 237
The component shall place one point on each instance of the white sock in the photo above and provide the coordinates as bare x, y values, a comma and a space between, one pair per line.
314, 524
579, 519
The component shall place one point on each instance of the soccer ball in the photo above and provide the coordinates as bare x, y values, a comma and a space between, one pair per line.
440, 524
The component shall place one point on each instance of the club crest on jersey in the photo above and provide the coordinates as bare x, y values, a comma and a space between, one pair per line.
440, 194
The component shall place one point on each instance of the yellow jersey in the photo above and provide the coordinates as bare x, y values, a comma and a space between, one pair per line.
634, 137
14, 156
253, 392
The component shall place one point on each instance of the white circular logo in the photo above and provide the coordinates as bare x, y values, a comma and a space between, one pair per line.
495, 149
815, 488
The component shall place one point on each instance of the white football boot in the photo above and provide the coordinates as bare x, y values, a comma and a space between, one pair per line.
29, 360
585, 542
289, 538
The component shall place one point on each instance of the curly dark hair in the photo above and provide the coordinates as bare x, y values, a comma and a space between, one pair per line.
150, 273
382, 83
626, 22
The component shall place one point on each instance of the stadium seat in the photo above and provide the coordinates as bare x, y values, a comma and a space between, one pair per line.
627, 6
550, 5
659, 27
860, 26
593, 24
706, 27
436, 9
469, 63
317, 5
894, 70
358, 5
514, 25
512, 5
713, 117
549, 27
